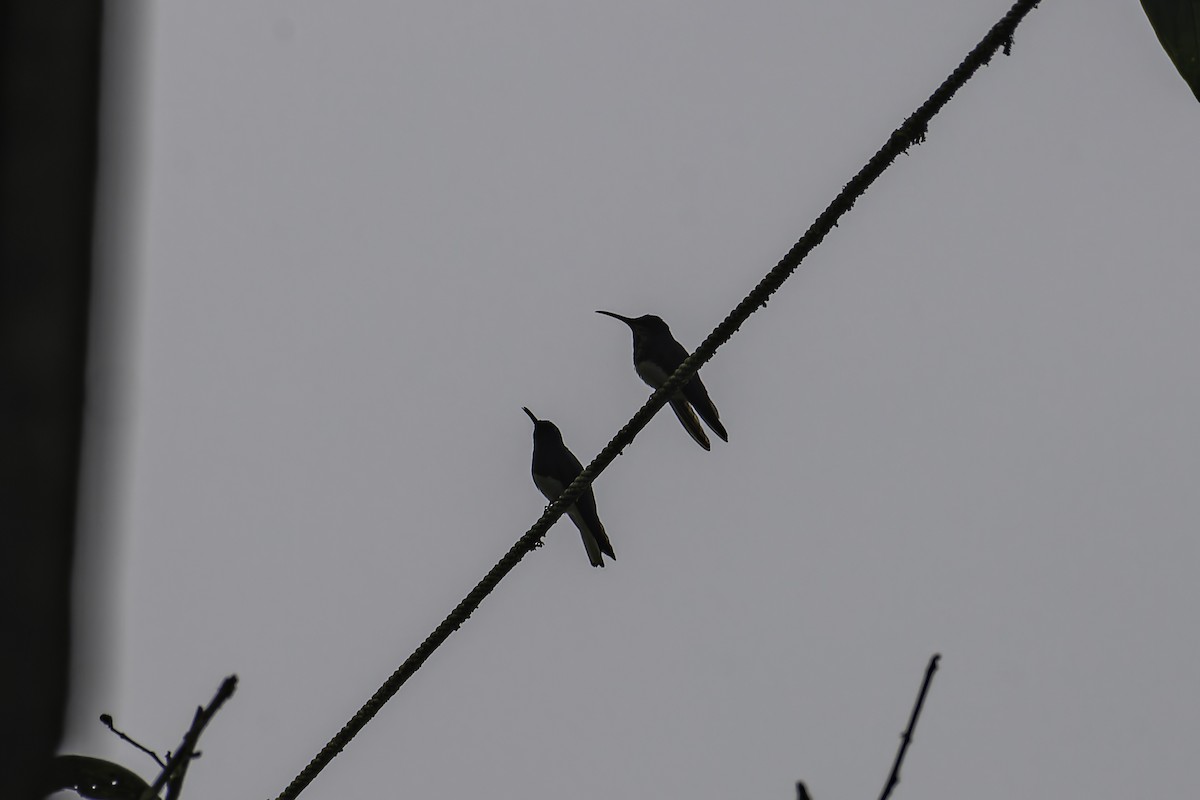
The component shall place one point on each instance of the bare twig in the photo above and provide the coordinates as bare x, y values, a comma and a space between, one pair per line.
175, 782
177, 762
107, 721
906, 737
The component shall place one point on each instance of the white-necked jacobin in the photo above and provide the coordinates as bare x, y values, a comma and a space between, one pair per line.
656, 355
554, 467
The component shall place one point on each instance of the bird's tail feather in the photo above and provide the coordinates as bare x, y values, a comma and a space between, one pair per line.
691, 424
697, 395
595, 541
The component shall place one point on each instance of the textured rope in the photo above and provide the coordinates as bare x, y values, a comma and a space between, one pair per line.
911, 132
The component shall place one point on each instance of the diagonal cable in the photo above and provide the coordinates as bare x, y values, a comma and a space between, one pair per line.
911, 131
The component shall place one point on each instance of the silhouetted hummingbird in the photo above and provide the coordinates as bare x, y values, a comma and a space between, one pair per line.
656, 355
554, 467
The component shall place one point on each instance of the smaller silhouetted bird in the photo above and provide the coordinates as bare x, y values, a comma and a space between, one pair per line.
656, 355
554, 467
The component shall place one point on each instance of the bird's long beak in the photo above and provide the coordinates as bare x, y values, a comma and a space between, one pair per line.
626, 320
531, 416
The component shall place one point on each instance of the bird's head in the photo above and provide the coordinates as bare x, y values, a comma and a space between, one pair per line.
543, 428
645, 325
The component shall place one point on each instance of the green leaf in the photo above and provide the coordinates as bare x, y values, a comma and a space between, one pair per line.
1177, 23
94, 778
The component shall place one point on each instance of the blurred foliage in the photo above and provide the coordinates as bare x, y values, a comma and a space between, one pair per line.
49, 96
94, 778
1177, 24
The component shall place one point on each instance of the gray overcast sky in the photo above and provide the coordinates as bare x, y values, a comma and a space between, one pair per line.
367, 233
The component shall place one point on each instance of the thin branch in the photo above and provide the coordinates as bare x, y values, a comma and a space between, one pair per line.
911, 131
907, 736
183, 754
175, 782
107, 721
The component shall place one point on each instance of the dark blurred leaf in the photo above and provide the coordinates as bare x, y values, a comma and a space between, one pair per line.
93, 778
1177, 23
49, 94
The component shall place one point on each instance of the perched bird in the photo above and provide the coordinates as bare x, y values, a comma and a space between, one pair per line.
554, 467
656, 355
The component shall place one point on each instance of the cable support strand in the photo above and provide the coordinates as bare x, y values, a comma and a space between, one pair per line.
911, 131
